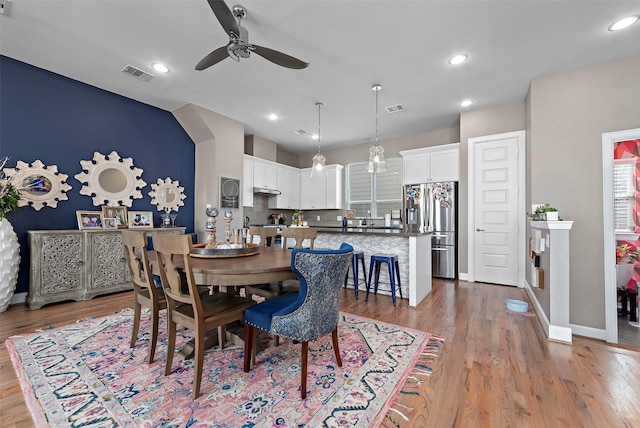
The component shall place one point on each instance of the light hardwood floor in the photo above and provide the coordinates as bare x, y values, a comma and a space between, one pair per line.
495, 370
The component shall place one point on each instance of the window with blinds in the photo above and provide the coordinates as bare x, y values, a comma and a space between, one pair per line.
379, 193
624, 194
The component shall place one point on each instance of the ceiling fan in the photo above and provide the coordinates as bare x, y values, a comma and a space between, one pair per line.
239, 46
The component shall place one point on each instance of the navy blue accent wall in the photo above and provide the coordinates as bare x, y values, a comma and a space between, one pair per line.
61, 121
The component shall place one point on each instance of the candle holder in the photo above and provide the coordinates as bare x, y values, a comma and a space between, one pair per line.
228, 217
210, 227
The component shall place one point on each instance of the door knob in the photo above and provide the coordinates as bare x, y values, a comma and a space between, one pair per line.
480, 230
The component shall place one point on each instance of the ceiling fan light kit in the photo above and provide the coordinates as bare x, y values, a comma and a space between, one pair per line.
239, 46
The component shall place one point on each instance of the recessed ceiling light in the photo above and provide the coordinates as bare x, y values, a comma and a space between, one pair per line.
466, 103
160, 68
314, 136
273, 116
623, 23
458, 59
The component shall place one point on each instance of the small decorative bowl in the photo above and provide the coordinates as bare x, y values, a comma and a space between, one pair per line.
516, 305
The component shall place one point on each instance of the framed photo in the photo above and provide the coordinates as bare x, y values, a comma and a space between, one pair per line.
229, 192
140, 220
109, 223
89, 219
117, 212
350, 213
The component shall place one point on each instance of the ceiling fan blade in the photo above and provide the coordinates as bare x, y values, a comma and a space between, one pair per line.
278, 57
213, 58
225, 17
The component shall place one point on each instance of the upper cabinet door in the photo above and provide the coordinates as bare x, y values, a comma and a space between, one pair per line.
247, 185
431, 164
445, 165
265, 174
416, 168
289, 185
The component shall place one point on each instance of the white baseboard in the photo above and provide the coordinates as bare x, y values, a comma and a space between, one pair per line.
594, 333
463, 276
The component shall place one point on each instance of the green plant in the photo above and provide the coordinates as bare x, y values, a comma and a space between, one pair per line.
9, 194
545, 209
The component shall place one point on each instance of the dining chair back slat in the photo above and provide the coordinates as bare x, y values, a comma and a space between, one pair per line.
300, 234
145, 291
263, 233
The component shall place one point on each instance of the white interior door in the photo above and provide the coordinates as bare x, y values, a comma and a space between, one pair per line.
496, 225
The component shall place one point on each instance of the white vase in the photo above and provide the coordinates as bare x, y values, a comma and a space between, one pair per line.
9, 263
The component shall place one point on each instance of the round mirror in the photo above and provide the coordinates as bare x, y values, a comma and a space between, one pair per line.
167, 195
110, 180
42, 185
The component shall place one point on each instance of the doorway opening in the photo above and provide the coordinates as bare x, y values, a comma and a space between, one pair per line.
621, 208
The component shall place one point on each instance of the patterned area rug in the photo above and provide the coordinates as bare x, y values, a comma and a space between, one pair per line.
85, 374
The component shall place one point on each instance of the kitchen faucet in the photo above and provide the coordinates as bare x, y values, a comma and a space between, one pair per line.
370, 222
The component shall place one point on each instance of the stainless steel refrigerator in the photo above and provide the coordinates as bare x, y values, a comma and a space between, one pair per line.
432, 207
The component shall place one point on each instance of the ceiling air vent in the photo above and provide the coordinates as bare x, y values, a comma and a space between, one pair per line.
299, 132
395, 109
137, 73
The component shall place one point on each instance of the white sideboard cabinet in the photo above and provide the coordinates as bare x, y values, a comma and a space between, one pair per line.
431, 164
78, 264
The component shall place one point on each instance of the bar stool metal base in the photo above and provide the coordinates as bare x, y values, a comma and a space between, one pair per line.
357, 255
394, 274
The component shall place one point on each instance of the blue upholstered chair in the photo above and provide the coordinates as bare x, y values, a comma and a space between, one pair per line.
311, 313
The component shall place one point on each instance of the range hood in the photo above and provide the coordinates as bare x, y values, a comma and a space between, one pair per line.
266, 191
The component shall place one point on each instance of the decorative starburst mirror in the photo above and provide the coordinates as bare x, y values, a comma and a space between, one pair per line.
167, 195
41, 185
111, 180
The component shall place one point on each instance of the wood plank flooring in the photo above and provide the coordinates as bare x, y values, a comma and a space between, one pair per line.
495, 370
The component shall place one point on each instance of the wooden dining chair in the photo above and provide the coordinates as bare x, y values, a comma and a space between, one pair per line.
308, 315
263, 233
300, 234
186, 307
145, 291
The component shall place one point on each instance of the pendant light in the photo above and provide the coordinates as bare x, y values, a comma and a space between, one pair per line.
319, 161
377, 162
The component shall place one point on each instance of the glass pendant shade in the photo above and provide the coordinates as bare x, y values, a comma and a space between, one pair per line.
319, 161
377, 162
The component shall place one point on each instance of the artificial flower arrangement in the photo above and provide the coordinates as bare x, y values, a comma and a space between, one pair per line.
626, 253
9, 194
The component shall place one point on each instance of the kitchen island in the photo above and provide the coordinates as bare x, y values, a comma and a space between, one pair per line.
413, 250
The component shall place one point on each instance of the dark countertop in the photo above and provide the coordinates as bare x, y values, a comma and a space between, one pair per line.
369, 231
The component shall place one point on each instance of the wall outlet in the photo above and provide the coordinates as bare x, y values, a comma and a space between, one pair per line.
317, 218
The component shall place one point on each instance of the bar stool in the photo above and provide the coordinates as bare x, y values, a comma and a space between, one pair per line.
357, 255
394, 274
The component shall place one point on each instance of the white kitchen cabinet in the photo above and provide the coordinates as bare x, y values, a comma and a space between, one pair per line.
335, 187
247, 182
323, 191
265, 174
431, 164
313, 190
288, 183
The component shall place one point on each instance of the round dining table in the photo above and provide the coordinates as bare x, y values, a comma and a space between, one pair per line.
270, 264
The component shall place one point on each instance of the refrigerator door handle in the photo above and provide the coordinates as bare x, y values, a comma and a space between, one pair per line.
439, 249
